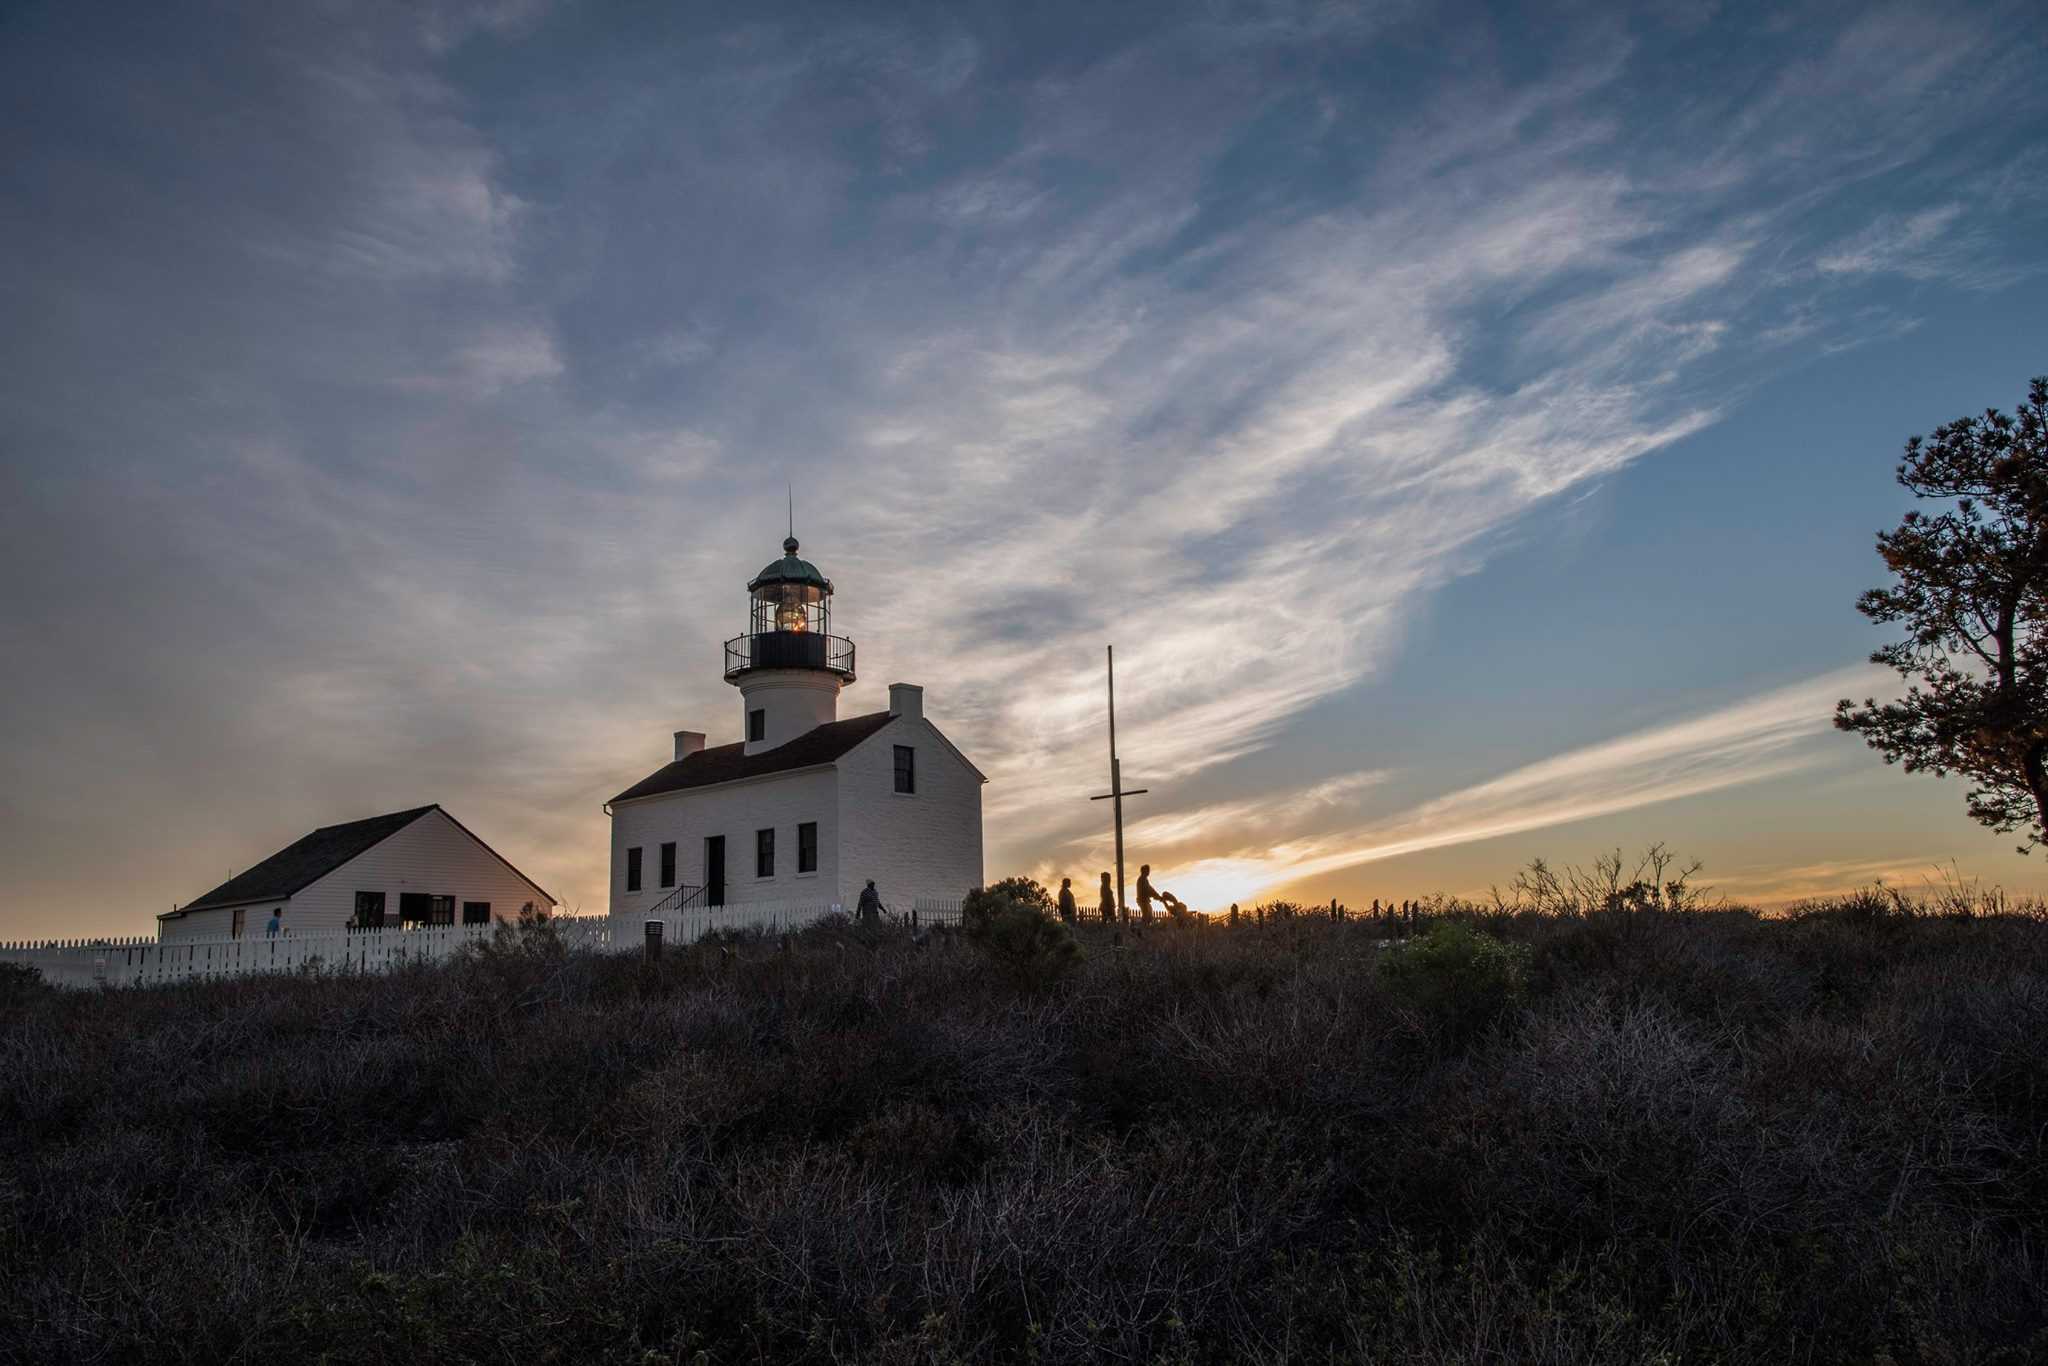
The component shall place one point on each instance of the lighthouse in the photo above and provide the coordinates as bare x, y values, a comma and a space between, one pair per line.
804, 806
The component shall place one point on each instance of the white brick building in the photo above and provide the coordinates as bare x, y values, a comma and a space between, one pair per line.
417, 867
807, 807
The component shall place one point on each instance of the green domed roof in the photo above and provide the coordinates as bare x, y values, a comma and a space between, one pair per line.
790, 569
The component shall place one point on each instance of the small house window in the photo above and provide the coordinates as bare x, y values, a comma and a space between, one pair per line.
807, 847
764, 853
757, 724
668, 864
235, 922
442, 912
476, 912
906, 769
415, 908
633, 869
369, 910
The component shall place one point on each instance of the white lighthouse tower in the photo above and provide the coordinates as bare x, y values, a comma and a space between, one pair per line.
789, 667
804, 807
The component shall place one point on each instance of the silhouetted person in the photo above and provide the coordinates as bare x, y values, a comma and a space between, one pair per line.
1108, 902
1233, 914
1147, 894
870, 908
276, 923
1068, 911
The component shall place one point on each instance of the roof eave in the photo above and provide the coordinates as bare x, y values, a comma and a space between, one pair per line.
226, 905
728, 782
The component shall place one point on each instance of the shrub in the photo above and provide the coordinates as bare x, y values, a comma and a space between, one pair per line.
1707, 1136
1462, 980
1024, 891
19, 984
1019, 935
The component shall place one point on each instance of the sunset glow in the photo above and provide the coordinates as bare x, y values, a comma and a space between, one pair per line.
1472, 452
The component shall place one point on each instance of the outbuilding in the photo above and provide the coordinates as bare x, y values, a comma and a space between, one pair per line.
416, 867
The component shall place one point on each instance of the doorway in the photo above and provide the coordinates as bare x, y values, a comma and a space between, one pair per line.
714, 870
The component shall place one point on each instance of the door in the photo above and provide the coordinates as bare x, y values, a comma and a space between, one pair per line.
714, 870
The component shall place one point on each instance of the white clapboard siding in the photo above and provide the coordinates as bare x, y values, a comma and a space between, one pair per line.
920, 846
433, 855
780, 802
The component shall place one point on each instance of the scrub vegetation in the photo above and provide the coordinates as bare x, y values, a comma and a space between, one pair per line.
1572, 1126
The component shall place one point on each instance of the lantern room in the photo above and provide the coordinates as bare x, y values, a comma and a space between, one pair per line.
789, 622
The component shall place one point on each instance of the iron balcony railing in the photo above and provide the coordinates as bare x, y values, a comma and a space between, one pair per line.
789, 650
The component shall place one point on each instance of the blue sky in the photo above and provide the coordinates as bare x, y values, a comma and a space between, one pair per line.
1470, 423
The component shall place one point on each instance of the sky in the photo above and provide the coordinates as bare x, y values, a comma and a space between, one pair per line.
1469, 423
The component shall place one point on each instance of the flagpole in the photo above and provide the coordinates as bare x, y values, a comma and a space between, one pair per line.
1116, 786
1116, 794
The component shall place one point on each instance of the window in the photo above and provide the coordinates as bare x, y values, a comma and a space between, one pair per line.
235, 926
633, 869
441, 911
757, 724
764, 853
415, 908
807, 847
476, 912
668, 864
906, 769
369, 910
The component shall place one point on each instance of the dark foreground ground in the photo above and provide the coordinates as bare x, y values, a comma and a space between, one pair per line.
1644, 1136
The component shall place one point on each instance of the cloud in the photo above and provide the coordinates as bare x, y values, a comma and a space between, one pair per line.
1896, 244
398, 399
1249, 821
1763, 738
1780, 886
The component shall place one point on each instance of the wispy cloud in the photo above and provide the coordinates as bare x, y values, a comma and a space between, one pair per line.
1898, 245
1762, 738
399, 413
1777, 886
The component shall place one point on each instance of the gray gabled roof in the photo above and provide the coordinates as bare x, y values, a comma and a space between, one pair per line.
305, 861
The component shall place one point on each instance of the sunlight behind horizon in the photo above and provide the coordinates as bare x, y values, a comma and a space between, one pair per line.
1469, 425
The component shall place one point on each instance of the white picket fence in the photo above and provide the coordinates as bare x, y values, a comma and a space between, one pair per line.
770, 918
148, 962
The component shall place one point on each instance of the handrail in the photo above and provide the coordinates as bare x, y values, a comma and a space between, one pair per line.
789, 650
681, 899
